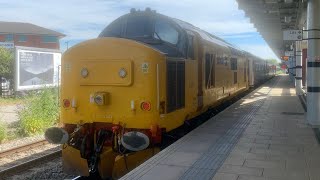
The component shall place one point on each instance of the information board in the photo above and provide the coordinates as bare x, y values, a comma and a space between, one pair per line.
36, 68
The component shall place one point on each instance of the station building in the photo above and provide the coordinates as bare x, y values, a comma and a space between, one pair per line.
29, 35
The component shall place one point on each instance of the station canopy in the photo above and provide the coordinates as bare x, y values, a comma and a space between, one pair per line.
272, 17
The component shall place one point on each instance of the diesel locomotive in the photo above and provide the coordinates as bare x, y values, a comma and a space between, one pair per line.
145, 75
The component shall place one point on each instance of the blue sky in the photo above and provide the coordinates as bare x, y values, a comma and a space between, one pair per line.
82, 19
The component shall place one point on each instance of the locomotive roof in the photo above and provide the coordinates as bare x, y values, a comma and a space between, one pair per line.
203, 34
184, 26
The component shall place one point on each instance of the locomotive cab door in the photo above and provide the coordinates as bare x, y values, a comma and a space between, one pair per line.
175, 84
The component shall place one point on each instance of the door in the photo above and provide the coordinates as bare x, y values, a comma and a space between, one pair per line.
175, 84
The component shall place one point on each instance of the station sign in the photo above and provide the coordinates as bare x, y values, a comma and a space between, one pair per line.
292, 35
289, 53
7, 45
284, 58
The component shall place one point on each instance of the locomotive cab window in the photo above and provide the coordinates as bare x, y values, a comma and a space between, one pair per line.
114, 30
139, 26
165, 32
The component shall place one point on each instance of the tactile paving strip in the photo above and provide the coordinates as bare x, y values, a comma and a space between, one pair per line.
208, 164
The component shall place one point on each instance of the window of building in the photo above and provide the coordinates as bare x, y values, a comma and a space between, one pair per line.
22, 38
9, 37
234, 63
49, 39
166, 32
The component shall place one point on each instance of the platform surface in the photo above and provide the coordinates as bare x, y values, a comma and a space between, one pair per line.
263, 136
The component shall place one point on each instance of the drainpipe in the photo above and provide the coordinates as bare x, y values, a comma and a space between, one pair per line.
313, 70
298, 78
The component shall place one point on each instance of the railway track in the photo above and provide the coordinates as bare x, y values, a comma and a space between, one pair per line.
24, 157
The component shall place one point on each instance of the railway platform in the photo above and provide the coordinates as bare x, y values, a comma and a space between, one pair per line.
263, 136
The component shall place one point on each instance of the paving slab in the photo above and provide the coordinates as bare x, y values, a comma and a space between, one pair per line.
9, 114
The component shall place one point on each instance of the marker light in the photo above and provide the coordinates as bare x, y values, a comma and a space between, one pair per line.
73, 103
66, 103
146, 106
84, 72
122, 73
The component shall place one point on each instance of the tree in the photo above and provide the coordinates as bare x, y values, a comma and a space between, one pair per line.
6, 63
273, 61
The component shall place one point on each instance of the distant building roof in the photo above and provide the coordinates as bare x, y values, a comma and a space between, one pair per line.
26, 28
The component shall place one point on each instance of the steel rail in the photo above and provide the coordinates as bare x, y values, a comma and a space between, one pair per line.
22, 148
28, 164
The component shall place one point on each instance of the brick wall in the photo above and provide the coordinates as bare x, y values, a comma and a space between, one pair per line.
32, 41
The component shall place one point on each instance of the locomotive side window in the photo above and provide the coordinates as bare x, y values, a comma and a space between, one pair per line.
234, 63
166, 32
190, 47
209, 70
226, 61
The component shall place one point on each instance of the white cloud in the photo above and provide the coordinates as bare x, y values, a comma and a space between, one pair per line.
214, 16
82, 19
262, 51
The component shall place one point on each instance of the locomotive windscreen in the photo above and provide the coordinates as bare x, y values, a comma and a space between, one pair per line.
136, 26
139, 26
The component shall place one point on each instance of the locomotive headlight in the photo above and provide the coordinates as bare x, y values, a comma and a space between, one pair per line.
84, 72
99, 99
122, 73
135, 141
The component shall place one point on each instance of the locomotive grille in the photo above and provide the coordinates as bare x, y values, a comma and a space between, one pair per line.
175, 85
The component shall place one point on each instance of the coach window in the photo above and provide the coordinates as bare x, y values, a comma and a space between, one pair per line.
166, 32
190, 47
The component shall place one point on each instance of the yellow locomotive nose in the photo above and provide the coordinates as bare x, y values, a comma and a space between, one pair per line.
109, 86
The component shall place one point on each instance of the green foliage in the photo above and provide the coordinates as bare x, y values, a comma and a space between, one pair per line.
40, 112
273, 61
3, 132
280, 71
6, 63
